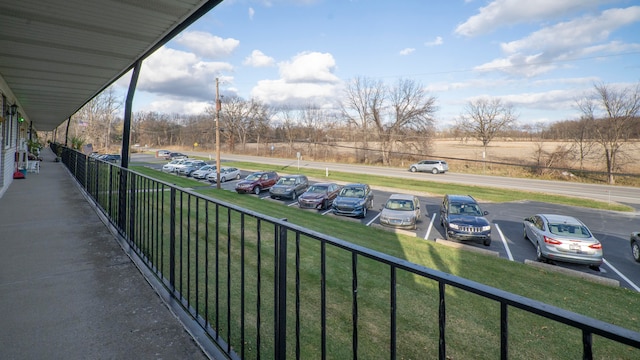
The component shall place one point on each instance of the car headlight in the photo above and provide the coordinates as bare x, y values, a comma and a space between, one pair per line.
454, 226
486, 228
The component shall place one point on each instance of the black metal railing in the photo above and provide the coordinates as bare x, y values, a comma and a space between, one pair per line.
261, 287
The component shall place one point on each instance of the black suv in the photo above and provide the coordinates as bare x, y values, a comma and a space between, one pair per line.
462, 219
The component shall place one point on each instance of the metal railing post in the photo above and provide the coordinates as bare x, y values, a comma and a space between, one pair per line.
172, 241
281, 294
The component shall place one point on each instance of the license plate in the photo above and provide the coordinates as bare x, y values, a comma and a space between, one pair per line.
574, 247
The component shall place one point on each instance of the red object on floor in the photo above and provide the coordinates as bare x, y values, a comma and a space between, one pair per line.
18, 175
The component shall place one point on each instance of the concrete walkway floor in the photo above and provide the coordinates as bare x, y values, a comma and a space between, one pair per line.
67, 289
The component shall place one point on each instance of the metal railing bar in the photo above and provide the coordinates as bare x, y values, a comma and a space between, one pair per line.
442, 322
504, 331
323, 300
228, 324
297, 295
354, 304
206, 263
259, 290
242, 294
197, 255
393, 300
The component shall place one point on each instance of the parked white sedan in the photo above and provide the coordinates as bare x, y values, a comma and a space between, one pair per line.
203, 172
226, 174
171, 165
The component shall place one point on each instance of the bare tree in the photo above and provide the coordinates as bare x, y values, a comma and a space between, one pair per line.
485, 118
363, 100
410, 109
580, 134
97, 117
613, 112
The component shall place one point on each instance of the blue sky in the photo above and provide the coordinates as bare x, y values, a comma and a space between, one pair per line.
537, 55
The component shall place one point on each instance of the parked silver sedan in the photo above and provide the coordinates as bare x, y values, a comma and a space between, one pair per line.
402, 211
563, 238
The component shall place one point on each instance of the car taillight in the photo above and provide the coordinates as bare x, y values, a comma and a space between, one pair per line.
552, 241
596, 246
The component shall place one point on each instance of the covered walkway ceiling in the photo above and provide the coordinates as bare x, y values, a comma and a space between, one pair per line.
55, 55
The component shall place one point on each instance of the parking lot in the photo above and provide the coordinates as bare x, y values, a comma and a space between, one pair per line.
610, 227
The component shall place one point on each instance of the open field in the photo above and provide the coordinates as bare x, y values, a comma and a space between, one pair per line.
551, 160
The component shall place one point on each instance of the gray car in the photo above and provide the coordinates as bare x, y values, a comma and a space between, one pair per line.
432, 166
402, 211
289, 187
562, 238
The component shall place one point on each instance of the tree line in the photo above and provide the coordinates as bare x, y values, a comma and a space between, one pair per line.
372, 123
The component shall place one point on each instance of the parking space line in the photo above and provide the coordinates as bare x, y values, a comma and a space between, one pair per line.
374, 219
504, 241
433, 218
293, 203
634, 286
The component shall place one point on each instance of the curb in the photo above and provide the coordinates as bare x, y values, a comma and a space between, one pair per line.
585, 276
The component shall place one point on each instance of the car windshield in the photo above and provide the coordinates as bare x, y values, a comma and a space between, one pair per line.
573, 230
352, 192
253, 177
465, 209
287, 181
399, 205
317, 189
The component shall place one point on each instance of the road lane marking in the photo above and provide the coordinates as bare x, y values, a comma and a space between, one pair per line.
504, 241
634, 286
433, 218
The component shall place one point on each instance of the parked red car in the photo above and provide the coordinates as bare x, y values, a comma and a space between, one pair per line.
256, 182
319, 196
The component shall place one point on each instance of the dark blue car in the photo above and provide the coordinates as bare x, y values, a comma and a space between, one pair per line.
353, 200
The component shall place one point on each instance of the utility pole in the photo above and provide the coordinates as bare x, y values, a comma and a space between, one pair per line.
218, 108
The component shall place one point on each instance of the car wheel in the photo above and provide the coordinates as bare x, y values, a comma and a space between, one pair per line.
364, 212
325, 205
294, 195
434, 171
256, 190
539, 256
222, 179
487, 242
635, 251
524, 233
238, 177
413, 169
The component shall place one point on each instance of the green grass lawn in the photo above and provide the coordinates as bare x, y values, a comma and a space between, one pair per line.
473, 322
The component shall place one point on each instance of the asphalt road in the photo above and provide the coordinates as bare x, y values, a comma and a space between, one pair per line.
610, 227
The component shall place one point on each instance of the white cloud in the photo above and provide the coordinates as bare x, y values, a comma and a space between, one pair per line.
437, 41
509, 12
207, 45
251, 13
546, 49
407, 51
258, 59
180, 74
309, 67
307, 78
